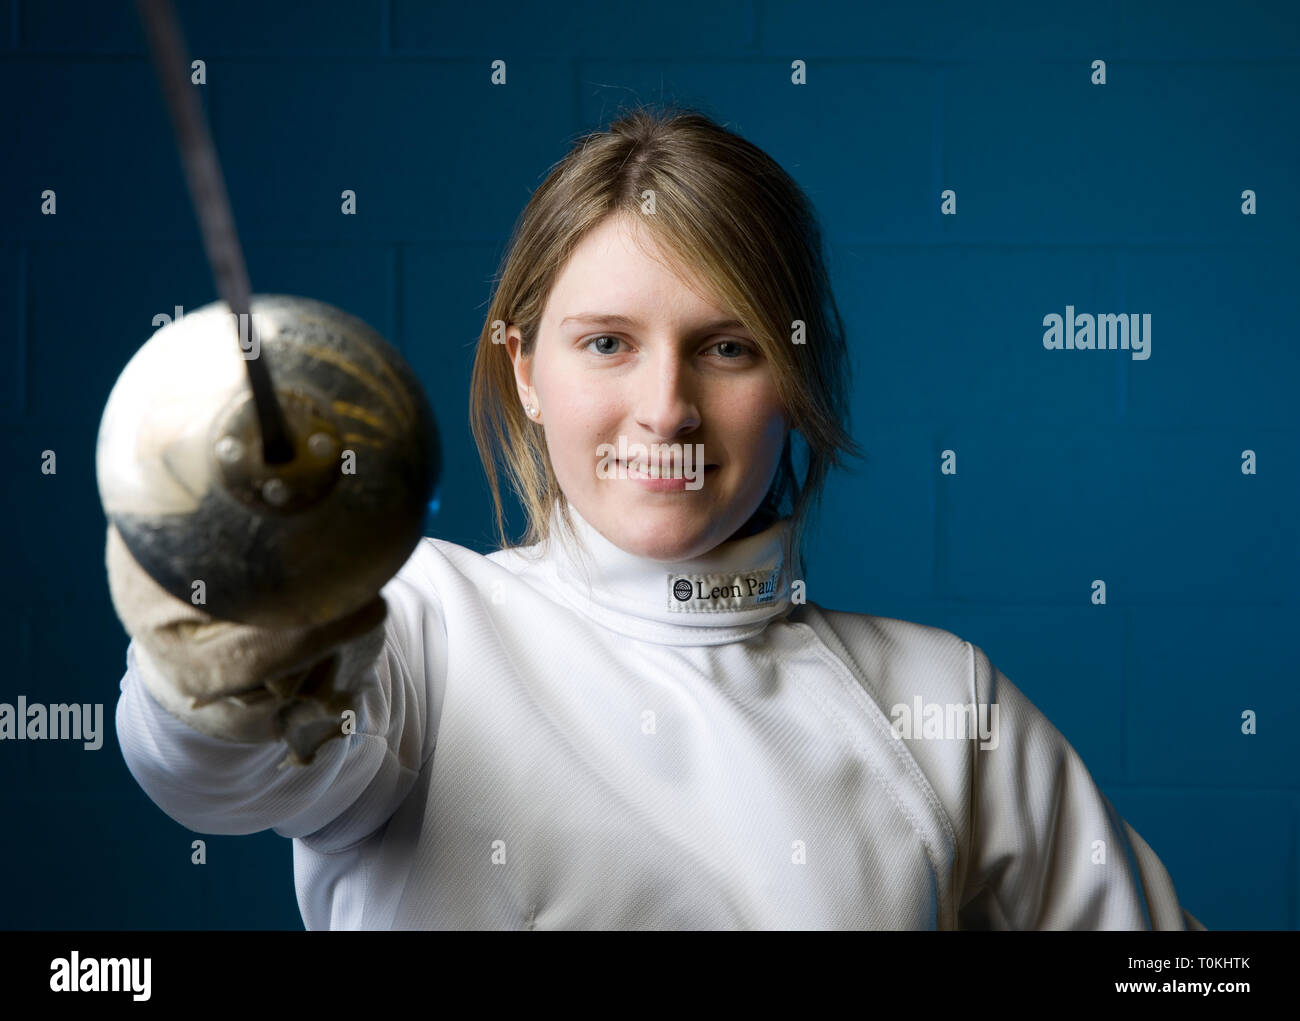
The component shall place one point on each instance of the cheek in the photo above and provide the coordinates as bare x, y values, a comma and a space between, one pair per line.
768, 439
576, 422
758, 421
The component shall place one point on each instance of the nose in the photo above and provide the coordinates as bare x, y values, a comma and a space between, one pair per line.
665, 401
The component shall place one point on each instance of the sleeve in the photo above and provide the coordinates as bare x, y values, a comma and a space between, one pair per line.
353, 785
1047, 848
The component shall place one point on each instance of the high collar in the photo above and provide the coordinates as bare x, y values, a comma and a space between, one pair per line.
725, 595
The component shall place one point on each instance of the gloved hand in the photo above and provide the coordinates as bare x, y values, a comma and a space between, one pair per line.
239, 682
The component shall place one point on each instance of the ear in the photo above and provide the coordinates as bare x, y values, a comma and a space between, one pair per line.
523, 366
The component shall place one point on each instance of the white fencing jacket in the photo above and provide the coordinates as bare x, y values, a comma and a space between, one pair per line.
651, 745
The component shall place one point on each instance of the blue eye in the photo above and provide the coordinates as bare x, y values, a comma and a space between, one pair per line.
741, 350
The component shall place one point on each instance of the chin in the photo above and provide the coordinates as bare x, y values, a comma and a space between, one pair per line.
664, 541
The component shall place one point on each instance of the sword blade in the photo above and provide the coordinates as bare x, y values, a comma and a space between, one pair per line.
212, 206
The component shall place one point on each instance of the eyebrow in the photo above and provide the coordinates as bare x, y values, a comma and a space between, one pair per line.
615, 319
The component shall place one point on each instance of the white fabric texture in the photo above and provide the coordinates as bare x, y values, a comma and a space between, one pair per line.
544, 744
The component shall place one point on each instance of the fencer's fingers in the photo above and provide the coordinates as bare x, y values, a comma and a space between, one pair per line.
140, 602
207, 658
301, 650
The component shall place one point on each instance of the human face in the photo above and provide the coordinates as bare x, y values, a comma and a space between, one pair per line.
673, 370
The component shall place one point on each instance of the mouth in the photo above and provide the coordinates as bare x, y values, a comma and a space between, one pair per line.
636, 471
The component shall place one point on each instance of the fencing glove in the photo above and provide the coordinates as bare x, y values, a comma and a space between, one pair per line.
238, 682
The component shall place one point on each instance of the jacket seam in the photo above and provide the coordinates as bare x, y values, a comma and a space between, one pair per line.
878, 720
973, 806
871, 710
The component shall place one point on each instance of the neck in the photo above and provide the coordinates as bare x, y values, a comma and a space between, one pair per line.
724, 595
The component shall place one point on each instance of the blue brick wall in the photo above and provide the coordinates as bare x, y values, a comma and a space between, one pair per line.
1071, 465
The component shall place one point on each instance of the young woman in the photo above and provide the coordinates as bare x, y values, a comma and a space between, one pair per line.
639, 717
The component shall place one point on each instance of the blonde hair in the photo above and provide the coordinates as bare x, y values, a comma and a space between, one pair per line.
725, 214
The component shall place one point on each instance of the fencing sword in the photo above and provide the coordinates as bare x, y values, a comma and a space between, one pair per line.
212, 206
287, 491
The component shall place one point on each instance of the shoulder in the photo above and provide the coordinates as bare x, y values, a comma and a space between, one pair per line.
434, 557
439, 571
430, 550
898, 659
436, 575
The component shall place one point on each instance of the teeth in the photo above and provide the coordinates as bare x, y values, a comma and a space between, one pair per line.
655, 473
